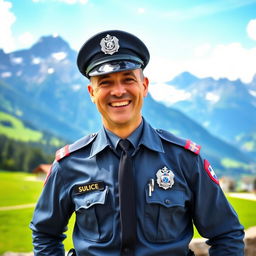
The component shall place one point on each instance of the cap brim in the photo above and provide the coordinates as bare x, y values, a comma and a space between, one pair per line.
114, 66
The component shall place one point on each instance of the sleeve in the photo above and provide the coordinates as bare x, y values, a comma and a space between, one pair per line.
213, 216
51, 216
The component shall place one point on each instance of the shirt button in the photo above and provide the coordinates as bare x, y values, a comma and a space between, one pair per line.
88, 203
167, 201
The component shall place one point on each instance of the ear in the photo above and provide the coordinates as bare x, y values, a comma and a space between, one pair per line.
91, 92
145, 85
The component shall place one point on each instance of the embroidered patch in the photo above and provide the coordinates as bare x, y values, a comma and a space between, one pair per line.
210, 171
192, 146
89, 187
62, 153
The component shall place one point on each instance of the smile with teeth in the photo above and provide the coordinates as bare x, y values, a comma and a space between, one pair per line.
120, 104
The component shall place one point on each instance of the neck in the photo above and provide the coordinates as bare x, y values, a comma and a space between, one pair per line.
123, 130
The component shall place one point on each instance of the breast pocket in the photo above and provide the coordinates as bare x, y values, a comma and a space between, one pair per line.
165, 215
94, 215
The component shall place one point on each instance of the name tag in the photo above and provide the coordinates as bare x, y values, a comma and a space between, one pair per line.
89, 187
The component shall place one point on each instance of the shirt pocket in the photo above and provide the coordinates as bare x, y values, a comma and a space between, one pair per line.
94, 215
165, 215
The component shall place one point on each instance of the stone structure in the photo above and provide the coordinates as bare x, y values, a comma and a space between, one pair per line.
200, 248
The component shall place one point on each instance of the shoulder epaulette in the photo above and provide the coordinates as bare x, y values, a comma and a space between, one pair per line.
187, 144
61, 153
192, 146
68, 149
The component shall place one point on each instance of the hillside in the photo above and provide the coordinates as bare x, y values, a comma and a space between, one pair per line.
15, 129
23, 147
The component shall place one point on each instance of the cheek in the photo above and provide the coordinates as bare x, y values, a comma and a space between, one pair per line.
100, 99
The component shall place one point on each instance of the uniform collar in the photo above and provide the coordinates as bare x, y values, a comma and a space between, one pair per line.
100, 143
134, 138
150, 138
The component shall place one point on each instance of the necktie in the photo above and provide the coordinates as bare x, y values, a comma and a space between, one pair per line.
127, 200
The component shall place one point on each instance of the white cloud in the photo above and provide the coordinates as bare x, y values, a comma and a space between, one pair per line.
231, 61
50, 70
17, 60
202, 50
161, 69
253, 93
167, 93
7, 20
59, 55
213, 97
8, 41
36, 60
26, 39
6, 74
251, 29
76, 87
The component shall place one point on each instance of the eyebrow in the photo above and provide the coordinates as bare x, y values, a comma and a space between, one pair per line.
127, 73
130, 72
98, 79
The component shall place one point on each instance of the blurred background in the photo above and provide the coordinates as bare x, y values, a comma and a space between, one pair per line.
202, 76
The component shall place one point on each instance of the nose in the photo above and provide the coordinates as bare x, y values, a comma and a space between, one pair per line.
118, 89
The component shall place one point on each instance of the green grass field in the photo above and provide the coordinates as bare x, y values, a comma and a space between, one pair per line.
22, 188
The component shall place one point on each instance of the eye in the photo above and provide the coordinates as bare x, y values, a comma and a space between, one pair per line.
129, 80
104, 83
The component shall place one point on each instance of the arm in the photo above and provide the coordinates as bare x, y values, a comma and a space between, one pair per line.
51, 215
213, 216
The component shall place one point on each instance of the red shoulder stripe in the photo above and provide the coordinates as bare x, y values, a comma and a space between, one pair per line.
61, 153
192, 146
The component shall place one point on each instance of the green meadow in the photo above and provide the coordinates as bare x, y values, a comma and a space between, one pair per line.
12, 127
24, 189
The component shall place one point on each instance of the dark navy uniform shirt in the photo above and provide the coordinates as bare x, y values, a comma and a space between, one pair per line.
84, 180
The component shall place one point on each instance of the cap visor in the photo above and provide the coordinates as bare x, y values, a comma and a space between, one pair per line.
112, 67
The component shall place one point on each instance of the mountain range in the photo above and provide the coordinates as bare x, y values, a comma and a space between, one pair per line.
42, 87
226, 108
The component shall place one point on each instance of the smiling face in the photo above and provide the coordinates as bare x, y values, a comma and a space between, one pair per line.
119, 98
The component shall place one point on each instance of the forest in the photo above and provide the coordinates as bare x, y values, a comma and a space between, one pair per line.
22, 156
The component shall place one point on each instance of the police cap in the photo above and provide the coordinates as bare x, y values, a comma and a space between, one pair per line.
111, 51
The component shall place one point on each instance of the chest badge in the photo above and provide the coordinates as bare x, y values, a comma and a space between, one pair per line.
165, 178
109, 44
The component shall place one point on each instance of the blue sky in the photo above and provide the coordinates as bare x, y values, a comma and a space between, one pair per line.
208, 38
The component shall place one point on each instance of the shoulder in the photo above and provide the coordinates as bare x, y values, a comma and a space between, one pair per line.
69, 149
185, 143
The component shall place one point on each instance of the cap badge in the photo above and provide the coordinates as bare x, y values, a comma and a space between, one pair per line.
109, 44
165, 178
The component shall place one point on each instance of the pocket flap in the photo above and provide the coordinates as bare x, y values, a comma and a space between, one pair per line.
85, 201
167, 198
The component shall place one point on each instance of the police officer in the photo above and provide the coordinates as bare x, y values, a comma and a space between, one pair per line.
142, 200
